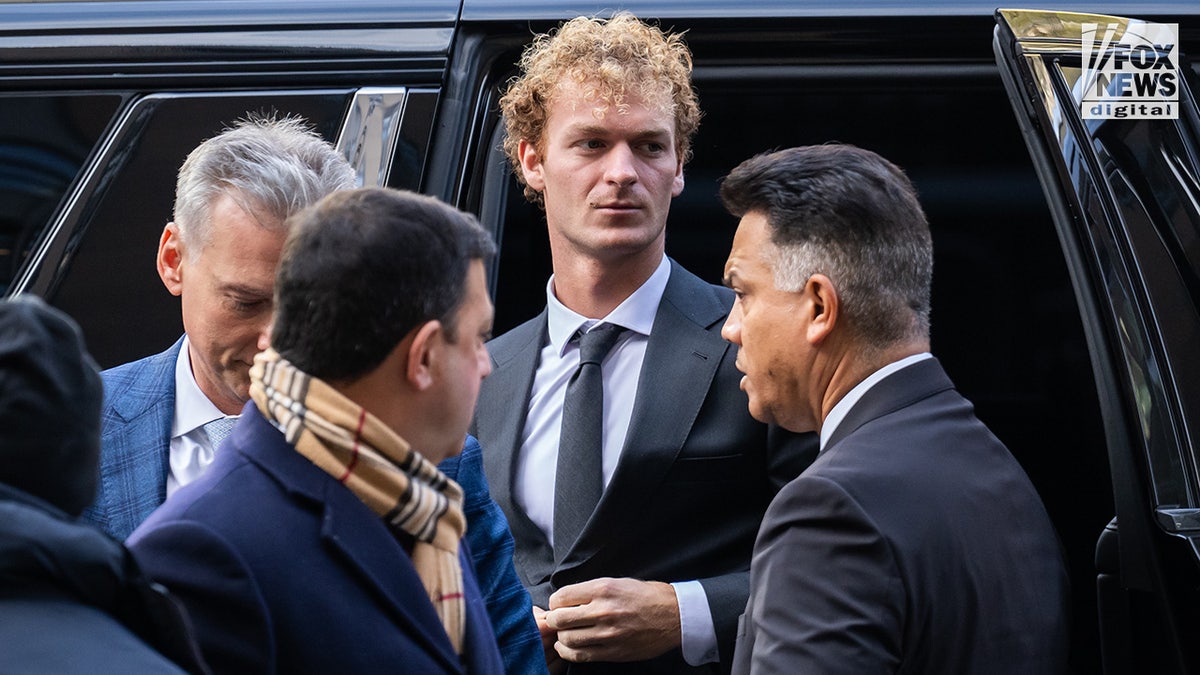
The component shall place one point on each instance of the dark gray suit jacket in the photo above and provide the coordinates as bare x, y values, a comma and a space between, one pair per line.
913, 544
695, 475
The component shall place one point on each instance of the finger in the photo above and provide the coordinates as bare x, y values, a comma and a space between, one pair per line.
572, 654
575, 594
585, 653
570, 618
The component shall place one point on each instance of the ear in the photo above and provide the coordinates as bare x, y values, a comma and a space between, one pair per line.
677, 186
421, 354
170, 259
822, 308
531, 165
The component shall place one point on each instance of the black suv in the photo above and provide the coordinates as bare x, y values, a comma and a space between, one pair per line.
1067, 272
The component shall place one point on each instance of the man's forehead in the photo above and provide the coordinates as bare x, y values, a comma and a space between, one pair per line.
604, 99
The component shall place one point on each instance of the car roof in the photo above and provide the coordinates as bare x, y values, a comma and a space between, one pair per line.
489, 10
89, 15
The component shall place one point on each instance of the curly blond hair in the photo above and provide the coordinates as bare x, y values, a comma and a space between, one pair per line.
612, 59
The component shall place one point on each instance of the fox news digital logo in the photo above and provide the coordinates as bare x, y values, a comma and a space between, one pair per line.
1131, 74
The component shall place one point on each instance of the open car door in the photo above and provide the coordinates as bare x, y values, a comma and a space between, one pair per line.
1107, 109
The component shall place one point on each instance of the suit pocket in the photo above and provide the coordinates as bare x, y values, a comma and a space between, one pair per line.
720, 469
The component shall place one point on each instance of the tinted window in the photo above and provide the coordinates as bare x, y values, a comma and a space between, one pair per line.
104, 272
44, 141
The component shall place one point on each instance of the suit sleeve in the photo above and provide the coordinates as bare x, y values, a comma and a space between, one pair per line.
726, 596
221, 596
826, 594
788, 454
508, 605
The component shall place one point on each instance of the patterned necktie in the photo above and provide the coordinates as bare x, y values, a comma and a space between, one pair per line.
579, 478
218, 430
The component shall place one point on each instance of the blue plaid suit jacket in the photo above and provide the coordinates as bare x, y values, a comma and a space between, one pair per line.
135, 437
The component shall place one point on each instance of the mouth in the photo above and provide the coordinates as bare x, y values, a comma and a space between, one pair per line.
745, 378
618, 206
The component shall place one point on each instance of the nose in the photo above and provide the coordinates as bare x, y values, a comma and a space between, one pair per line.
264, 336
485, 363
732, 330
620, 169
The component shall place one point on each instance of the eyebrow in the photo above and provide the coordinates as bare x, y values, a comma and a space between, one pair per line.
597, 130
244, 290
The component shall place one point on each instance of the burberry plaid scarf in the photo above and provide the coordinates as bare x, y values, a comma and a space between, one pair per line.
379, 467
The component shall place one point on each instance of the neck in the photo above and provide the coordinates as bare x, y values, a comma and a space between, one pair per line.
854, 364
594, 288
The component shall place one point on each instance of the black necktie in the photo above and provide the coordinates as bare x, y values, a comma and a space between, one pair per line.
579, 479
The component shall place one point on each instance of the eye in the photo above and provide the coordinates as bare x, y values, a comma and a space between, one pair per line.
242, 306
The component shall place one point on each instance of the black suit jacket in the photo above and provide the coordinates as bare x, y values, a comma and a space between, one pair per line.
913, 544
695, 475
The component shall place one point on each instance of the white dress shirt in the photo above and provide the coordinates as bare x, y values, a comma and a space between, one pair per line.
537, 461
842, 407
190, 451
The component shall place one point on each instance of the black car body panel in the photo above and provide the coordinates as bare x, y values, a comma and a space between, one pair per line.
1126, 193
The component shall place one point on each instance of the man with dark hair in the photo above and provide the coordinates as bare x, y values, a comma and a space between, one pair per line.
914, 543
614, 435
72, 600
164, 415
324, 539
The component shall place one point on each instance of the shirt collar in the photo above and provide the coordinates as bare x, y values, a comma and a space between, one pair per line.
192, 408
635, 313
843, 407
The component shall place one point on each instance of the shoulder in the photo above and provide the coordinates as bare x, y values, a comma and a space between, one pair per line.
525, 336
142, 378
700, 301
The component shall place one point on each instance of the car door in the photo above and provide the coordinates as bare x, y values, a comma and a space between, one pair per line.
1124, 189
101, 102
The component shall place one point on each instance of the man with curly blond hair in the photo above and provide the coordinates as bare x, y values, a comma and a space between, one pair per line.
615, 435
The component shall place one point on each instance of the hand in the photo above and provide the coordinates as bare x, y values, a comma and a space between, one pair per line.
554, 662
614, 620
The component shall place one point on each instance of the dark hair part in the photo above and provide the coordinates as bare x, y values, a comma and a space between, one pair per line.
853, 216
361, 269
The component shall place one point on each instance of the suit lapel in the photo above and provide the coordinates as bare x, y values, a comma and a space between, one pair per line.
374, 555
682, 357
137, 432
500, 417
352, 532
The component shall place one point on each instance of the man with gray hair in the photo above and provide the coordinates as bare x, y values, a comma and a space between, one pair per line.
165, 415
914, 543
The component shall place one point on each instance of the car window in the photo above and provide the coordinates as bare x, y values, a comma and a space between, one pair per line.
104, 249
44, 142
